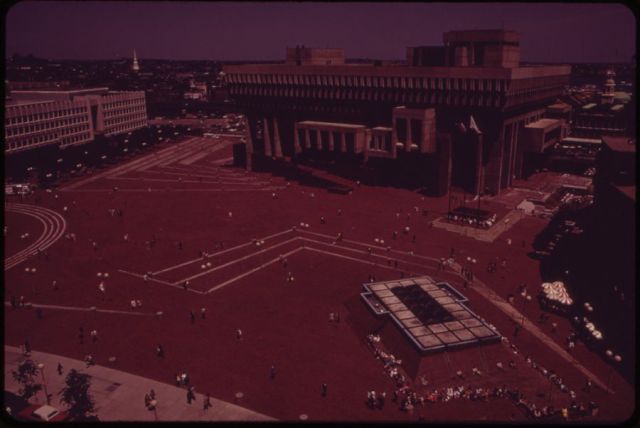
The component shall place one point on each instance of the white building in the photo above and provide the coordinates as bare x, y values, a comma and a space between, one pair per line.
72, 117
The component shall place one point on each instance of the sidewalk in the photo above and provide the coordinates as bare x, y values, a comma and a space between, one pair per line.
119, 396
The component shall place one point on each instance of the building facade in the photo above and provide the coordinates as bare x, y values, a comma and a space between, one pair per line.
34, 119
474, 77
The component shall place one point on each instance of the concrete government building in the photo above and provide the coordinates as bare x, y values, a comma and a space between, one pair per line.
465, 113
64, 118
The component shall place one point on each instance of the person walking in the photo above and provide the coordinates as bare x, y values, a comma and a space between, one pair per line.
190, 395
203, 313
192, 316
324, 390
207, 402
59, 368
160, 351
238, 334
272, 372
94, 336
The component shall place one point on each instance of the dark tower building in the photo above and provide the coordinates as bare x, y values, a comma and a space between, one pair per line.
453, 114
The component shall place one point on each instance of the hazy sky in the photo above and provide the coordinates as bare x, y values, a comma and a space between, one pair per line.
555, 32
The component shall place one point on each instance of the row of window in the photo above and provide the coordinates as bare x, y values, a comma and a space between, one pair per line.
34, 141
129, 126
125, 119
123, 103
32, 117
122, 112
372, 81
45, 126
86, 137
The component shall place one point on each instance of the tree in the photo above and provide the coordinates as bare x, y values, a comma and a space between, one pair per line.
25, 376
76, 395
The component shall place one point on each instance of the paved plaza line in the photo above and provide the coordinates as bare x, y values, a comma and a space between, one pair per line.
198, 275
217, 170
159, 281
367, 262
216, 148
120, 190
81, 309
221, 161
249, 272
170, 180
222, 252
191, 174
364, 252
127, 166
119, 395
170, 157
54, 226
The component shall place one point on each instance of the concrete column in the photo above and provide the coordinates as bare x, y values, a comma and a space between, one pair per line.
407, 144
307, 138
425, 136
343, 142
318, 140
296, 140
331, 142
266, 137
248, 143
276, 139
478, 183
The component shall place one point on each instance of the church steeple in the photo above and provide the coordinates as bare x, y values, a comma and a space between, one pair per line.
135, 67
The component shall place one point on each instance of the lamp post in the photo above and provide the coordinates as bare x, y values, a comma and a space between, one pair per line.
613, 359
44, 383
526, 300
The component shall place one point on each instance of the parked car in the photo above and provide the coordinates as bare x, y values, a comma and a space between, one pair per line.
44, 413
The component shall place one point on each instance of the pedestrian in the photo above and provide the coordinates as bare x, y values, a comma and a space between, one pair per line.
324, 390
414, 238
27, 347
207, 402
94, 336
203, 313
554, 327
59, 368
152, 394
190, 395
14, 302
516, 331
193, 317
179, 245
147, 400
381, 399
39, 313
238, 334
337, 317
160, 351
272, 372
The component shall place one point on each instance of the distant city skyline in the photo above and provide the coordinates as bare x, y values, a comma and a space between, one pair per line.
550, 32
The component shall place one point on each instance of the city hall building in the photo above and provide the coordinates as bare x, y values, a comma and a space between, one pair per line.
64, 118
465, 113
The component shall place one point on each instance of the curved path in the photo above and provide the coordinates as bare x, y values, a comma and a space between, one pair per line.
54, 226
118, 394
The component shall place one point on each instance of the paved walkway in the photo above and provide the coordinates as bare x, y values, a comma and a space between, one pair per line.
119, 396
